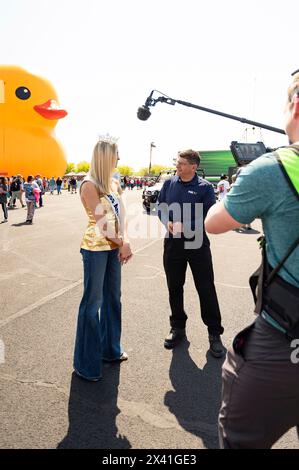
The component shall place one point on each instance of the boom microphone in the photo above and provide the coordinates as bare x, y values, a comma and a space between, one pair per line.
143, 113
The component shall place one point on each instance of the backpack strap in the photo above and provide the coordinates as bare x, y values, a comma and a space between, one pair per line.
277, 268
261, 278
285, 157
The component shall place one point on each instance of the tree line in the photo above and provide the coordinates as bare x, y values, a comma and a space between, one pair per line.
122, 169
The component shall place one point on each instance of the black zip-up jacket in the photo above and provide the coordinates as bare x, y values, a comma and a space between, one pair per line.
194, 199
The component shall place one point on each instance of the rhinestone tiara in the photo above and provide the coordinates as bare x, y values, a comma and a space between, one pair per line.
107, 138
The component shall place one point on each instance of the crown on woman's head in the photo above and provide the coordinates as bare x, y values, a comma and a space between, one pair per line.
108, 139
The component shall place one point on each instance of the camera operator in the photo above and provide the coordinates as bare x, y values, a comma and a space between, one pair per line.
260, 393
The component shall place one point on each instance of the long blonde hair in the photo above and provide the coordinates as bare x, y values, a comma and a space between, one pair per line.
103, 162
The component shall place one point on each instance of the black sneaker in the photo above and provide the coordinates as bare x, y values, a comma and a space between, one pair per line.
216, 347
175, 336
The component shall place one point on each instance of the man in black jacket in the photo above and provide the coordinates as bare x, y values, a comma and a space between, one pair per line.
183, 203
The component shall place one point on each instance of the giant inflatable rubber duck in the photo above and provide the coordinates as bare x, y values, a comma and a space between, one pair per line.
29, 112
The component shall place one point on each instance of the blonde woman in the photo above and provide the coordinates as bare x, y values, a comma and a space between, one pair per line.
104, 249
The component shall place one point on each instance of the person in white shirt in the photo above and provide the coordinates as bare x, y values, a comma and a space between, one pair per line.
222, 187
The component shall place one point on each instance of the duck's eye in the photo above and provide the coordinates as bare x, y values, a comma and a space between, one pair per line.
23, 93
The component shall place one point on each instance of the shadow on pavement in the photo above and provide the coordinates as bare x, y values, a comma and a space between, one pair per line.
19, 224
92, 414
195, 400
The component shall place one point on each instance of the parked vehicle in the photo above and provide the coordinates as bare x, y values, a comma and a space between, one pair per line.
150, 194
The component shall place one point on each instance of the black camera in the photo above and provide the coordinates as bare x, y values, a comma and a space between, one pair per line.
245, 153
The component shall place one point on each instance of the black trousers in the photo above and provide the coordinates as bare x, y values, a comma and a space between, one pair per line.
175, 261
4, 208
260, 389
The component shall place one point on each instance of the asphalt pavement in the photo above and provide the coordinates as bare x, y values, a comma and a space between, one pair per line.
158, 398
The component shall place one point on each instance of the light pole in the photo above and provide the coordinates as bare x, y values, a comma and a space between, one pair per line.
150, 161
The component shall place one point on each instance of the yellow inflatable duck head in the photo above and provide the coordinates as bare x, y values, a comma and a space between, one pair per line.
29, 111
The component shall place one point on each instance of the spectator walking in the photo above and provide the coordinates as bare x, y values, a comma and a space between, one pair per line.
29, 188
58, 185
3, 197
73, 183
39, 181
222, 187
52, 185
16, 189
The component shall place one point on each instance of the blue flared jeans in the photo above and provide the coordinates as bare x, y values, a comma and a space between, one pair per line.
99, 318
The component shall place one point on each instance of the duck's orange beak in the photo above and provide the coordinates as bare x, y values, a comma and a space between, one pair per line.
50, 110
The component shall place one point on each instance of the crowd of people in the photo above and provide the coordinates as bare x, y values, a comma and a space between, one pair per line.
30, 191
131, 182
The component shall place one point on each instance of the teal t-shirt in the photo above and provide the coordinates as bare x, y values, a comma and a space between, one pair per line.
261, 191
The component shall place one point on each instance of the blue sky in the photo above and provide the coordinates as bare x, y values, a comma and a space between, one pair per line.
104, 57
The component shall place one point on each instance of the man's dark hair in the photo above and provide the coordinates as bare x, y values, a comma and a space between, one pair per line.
191, 155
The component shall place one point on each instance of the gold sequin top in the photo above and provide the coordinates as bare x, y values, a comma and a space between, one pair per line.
93, 238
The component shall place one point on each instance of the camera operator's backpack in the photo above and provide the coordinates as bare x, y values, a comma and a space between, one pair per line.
279, 298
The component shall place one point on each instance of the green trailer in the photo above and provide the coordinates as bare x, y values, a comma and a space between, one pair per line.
217, 162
